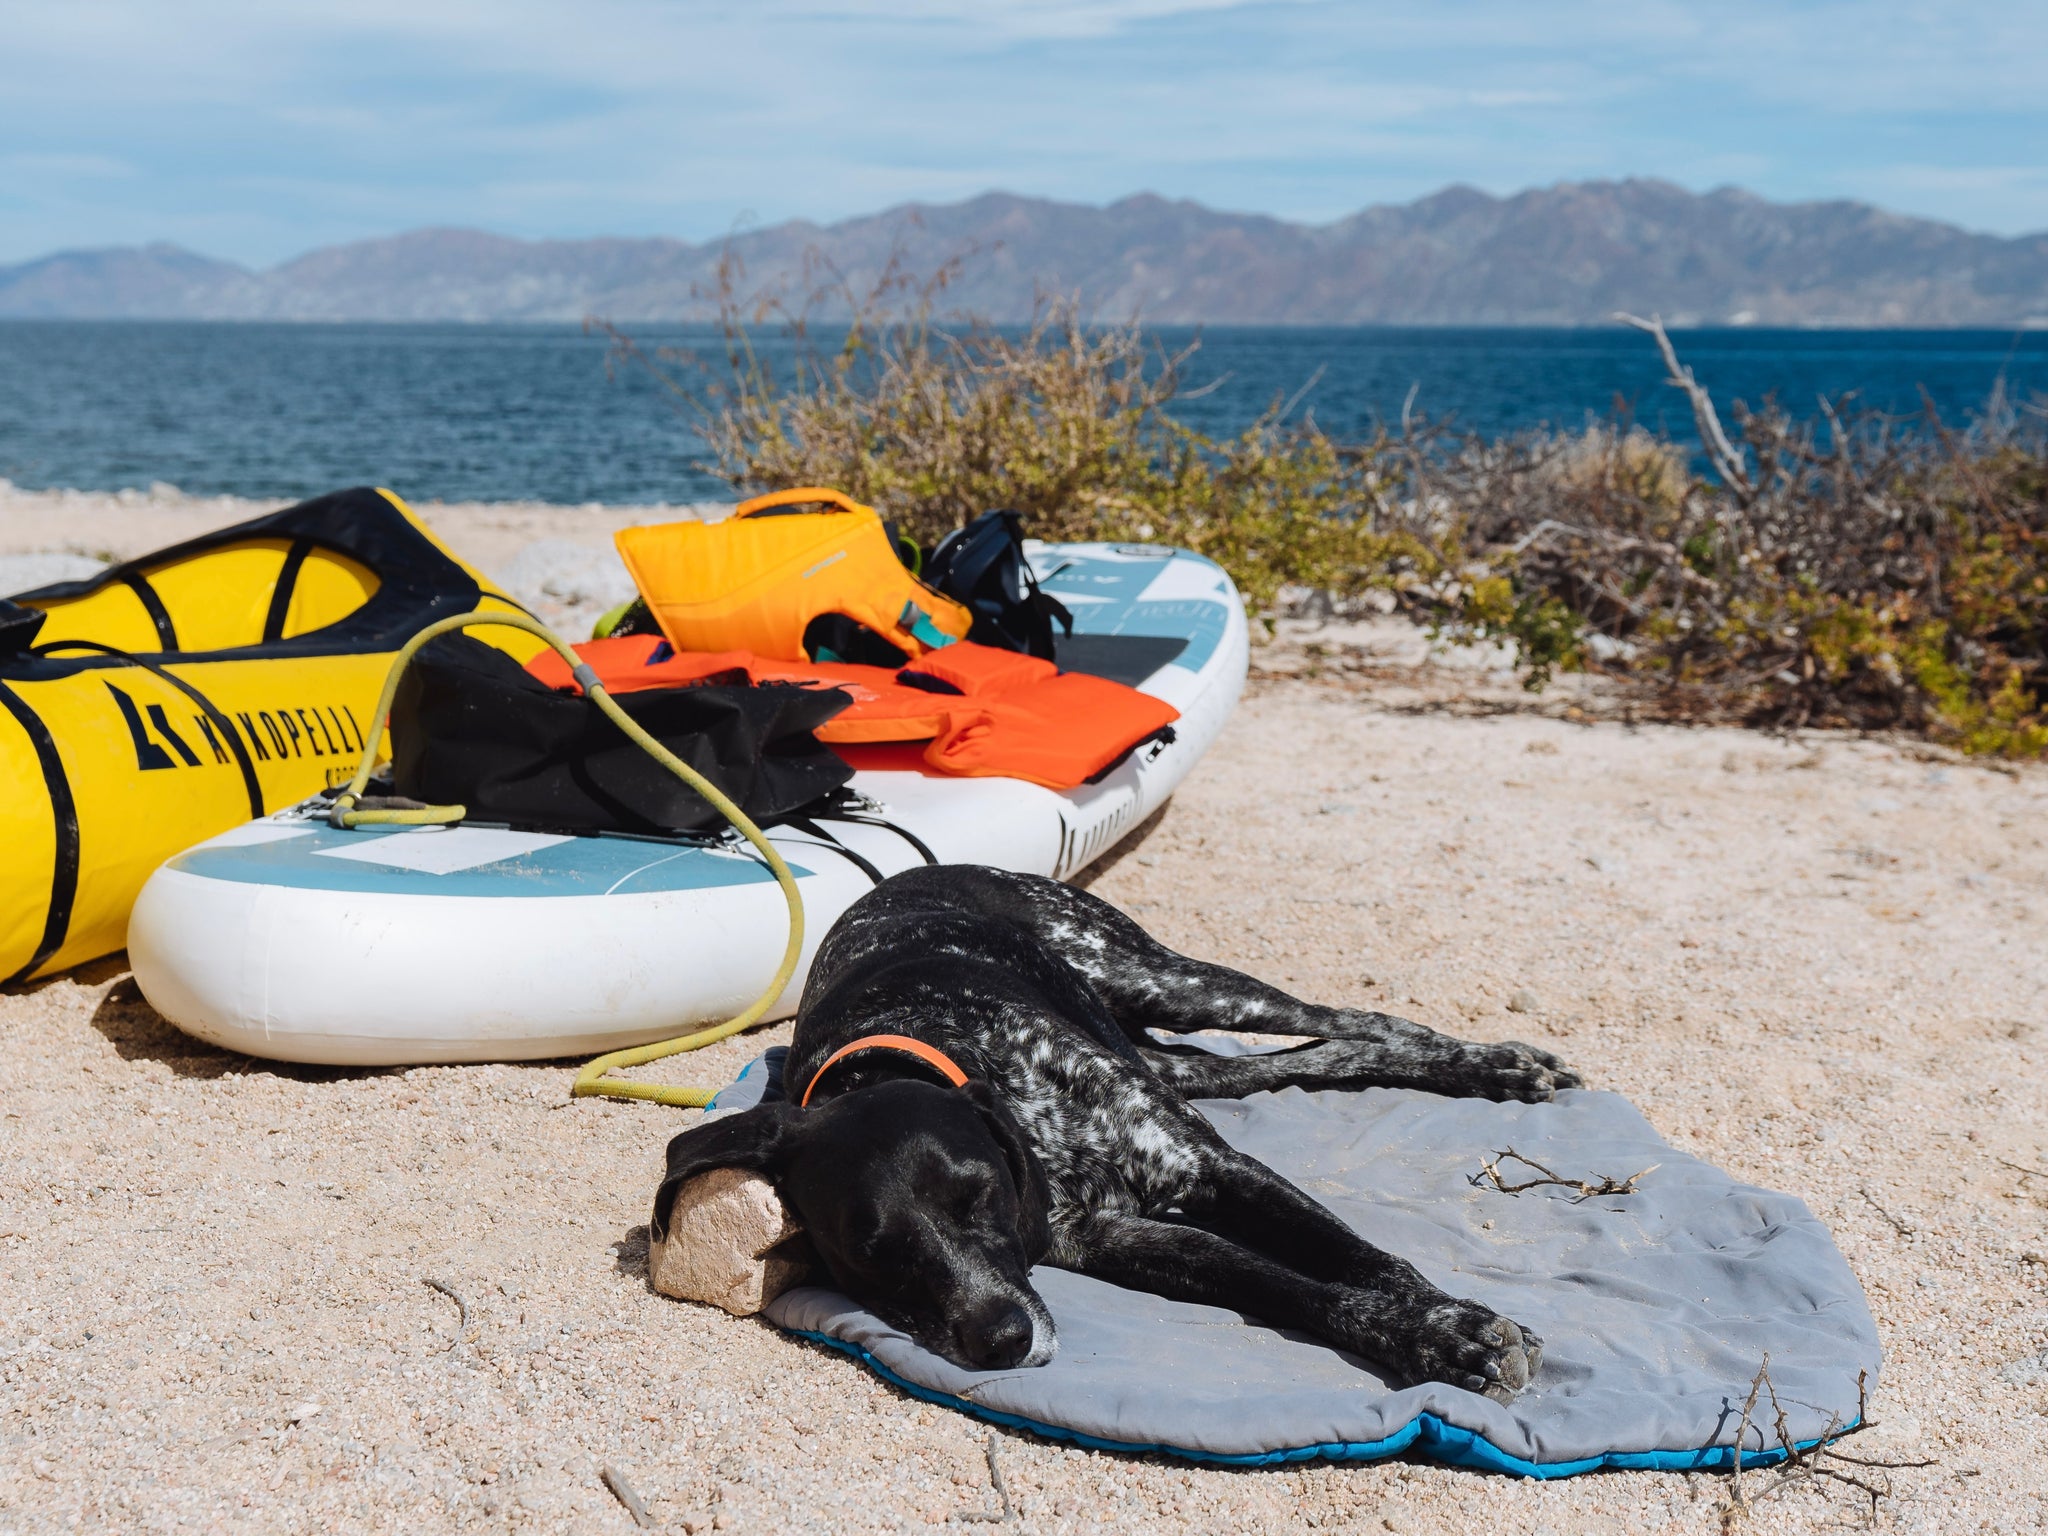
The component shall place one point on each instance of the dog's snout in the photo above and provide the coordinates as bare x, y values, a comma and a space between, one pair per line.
999, 1339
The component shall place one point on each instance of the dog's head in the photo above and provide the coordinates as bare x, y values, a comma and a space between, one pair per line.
923, 1202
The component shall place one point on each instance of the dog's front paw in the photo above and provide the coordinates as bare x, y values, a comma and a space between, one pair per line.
1512, 1070
1474, 1347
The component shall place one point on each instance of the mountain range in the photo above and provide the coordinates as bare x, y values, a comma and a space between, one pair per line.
1569, 254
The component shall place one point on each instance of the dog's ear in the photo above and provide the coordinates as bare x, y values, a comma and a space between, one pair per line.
1032, 1196
759, 1139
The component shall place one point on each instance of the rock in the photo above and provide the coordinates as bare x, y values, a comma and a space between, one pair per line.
723, 1230
1894, 1434
2027, 1371
567, 584
1524, 1001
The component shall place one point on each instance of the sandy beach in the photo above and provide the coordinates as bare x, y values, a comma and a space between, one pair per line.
251, 1297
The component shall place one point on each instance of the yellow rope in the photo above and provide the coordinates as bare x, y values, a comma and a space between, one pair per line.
591, 1080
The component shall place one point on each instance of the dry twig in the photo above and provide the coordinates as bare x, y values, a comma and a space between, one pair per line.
1004, 1510
462, 1327
1807, 1465
622, 1490
1904, 1229
1728, 463
1602, 1184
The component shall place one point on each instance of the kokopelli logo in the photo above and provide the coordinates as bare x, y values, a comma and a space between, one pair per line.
283, 734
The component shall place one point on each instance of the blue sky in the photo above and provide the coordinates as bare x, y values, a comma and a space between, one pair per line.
256, 129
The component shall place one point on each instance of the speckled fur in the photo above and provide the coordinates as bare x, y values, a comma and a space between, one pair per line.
1047, 994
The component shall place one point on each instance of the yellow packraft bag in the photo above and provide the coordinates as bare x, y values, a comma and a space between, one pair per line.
165, 700
755, 581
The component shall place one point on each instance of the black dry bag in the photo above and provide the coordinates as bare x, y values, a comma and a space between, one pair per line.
470, 726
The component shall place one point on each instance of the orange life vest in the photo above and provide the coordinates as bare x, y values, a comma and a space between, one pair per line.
996, 715
755, 581
1022, 718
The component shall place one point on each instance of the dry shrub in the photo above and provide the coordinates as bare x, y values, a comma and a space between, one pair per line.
1605, 460
1852, 570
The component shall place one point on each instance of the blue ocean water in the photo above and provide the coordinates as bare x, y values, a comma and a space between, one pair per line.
491, 412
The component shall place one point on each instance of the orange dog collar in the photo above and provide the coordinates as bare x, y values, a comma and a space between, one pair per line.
930, 1055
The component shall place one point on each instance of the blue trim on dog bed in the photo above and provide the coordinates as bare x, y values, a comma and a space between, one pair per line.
1426, 1433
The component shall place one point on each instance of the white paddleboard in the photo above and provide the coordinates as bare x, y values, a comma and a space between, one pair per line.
289, 939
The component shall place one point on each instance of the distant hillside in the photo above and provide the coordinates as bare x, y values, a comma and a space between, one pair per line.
1563, 255
152, 282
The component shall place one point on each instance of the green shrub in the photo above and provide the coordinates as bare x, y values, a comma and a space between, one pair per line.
1862, 572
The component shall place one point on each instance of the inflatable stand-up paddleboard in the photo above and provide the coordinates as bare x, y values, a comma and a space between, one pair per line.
172, 697
290, 939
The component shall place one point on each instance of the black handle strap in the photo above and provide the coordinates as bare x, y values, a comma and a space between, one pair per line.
827, 840
64, 817
250, 783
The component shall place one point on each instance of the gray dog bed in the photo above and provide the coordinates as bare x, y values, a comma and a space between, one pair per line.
1656, 1308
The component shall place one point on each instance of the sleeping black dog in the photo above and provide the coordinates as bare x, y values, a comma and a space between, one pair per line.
972, 1090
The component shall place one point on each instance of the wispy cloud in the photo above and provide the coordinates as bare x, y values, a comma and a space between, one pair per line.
60, 164
257, 130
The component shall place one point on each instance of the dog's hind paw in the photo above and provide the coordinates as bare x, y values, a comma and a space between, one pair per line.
1512, 1070
1474, 1347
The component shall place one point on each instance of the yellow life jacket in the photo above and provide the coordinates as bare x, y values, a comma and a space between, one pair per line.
756, 581
163, 701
